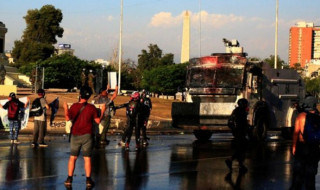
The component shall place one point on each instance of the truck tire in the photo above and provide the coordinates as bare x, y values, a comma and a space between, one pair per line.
202, 135
259, 132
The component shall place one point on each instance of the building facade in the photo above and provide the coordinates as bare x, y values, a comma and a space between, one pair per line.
304, 43
64, 49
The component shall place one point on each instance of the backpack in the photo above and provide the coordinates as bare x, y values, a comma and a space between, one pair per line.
36, 108
232, 120
13, 110
311, 133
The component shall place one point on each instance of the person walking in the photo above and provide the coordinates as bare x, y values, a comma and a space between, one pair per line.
146, 107
105, 113
40, 122
133, 108
82, 115
306, 153
14, 106
239, 130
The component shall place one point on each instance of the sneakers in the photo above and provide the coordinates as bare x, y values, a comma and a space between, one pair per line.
121, 143
68, 182
145, 143
89, 182
34, 144
43, 145
137, 146
16, 142
229, 164
127, 146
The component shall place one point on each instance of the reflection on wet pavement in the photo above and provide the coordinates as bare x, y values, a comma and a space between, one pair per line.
170, 162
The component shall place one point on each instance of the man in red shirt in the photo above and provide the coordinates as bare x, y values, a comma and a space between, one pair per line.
82, 114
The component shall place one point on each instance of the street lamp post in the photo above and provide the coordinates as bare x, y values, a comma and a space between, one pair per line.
120, 47
276, 37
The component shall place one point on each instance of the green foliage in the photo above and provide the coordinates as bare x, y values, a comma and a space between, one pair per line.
270, 61
43, 25
297, 66
313, 85
62, 71
165, 79
153, 58
31, 51
42, 28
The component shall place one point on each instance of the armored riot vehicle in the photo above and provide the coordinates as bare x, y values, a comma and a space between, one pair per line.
215, 83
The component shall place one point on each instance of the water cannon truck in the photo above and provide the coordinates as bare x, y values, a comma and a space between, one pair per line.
215, 83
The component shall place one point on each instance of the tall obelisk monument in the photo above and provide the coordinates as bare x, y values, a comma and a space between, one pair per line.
185, 49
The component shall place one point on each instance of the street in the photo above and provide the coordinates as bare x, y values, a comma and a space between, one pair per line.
169, 162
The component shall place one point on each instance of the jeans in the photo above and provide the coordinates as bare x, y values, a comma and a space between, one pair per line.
14, 124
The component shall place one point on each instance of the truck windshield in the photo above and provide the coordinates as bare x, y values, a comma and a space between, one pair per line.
223, 77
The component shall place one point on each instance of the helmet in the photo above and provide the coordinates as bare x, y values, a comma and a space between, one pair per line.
85, 92
243, 103
309, 103
135, 95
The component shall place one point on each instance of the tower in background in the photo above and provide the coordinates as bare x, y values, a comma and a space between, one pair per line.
304, 43
185, 49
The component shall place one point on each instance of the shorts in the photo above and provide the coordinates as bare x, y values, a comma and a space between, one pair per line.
83, 143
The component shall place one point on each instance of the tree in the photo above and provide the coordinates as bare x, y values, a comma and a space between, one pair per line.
280, 62
153, 58
42, 28
61, 71
165, 79
313, 86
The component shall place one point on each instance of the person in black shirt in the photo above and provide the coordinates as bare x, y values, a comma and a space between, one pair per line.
240, 130
146, 107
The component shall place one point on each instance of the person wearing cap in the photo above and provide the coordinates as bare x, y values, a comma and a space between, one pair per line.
82, 115
306, 155
14, 106
40, 122
106, 109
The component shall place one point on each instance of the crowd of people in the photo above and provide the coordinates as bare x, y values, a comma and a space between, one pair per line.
86, 120
90, 127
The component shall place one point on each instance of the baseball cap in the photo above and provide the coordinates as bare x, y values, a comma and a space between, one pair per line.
12, 95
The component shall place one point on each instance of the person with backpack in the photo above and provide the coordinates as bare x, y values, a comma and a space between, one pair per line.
82, 114
105, 111
239, 125
133, 109
40, 119
305, 145
14, 106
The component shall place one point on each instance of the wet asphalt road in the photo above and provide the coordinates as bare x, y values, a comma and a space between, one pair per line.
170, 162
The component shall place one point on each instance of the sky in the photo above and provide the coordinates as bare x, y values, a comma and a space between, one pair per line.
92, 27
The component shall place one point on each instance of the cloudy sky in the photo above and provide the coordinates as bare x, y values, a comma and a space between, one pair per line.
92, 27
